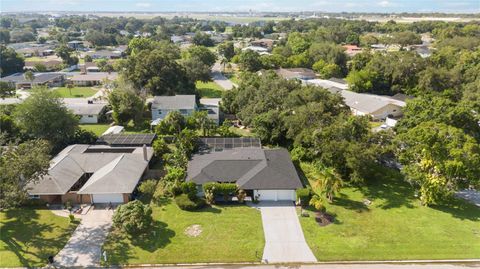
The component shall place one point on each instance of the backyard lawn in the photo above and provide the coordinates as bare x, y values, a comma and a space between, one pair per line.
28, 236
229, 234
75, 92
209, 89
394, 226
97, 129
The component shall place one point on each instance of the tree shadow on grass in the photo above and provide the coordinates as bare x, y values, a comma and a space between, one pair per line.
22, 234
350, 204
158, 236
117, 248
390, 186
459, 209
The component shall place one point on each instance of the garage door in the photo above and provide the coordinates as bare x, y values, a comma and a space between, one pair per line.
276, 195
108, 198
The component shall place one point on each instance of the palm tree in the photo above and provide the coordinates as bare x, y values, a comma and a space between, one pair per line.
223, 62
329, 181
29, 76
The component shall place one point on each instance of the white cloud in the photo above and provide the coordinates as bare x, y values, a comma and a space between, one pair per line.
143, 4
384, 3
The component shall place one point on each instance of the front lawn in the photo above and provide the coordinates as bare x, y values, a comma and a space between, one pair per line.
75, 92
209, 89
97, 129
394, 226
229, 234
29, 236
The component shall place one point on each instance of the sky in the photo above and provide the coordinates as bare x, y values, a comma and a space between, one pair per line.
387, 6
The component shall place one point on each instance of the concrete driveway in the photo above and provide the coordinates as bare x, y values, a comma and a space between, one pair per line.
284, 240
84, 247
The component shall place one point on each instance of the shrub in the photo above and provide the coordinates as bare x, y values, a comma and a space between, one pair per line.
241, 194
147, 188
133, 217
190, 189
71, 217
160, 147
225, 189
304, 195
185, 203
318, 203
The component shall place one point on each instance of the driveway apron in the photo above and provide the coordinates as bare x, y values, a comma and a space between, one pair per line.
284, 239
84, 247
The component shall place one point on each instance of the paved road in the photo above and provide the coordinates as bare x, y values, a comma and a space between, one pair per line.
84, 247
472, 196
284, 240
219, 78
331, 266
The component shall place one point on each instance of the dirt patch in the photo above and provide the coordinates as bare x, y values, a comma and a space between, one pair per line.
194, 230
324, 219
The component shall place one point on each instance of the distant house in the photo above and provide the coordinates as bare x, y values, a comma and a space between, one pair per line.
376, 106
296, 73
264, 43
40, 51
162, 105
257, 49
40, 79
76, 44
92, 79
212, 106
88, 111
352, 50
265, 174
84, 174
105, 54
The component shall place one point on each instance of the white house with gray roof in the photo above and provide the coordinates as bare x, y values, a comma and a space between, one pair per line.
162, 105
265, 174
362, 104
87, 174
88, 110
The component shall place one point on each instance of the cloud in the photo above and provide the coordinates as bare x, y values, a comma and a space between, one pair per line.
384, 3
143, 4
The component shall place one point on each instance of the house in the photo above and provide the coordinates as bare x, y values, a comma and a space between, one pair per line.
105, 54
88, 67
352, 50
376, 106
265, 174
40, 79
257, 49
264, 43
296, 73
162, 105
76, 44
212, 106
87, 174
94, 78
88, 111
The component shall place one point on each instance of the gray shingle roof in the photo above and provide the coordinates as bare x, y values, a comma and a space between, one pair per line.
368, 103
40, 78
113, 171
174, 102
250, 168
80, 106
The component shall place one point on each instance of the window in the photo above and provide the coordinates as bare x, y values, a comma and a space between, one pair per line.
34, 196
183, 111
90, 116
159, 112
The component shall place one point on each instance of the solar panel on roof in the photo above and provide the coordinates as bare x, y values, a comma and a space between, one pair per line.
220, 143
126, 139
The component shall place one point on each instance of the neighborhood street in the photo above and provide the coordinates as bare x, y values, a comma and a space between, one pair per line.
219, 78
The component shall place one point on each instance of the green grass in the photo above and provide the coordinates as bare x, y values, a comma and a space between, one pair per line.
209, 89
75, 92
242, 132
97, 129
395, 226
376, 124
229, 234
29, 236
